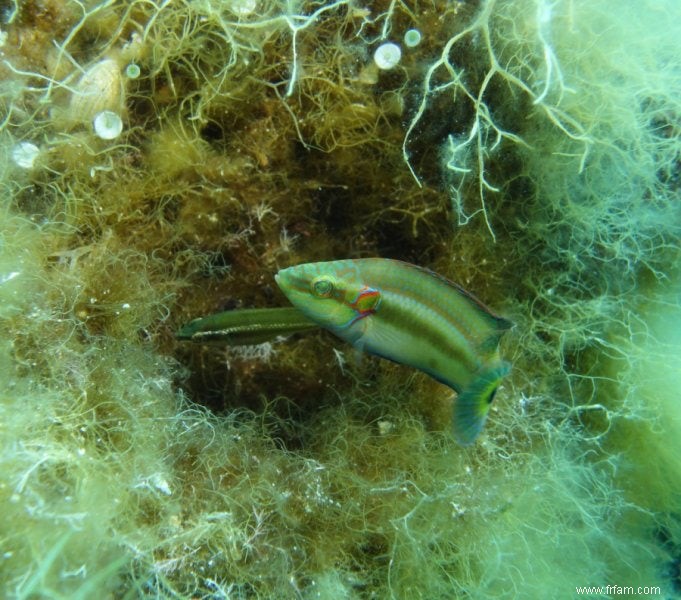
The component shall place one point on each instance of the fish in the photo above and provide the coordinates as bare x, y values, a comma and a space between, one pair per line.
412, 316
246, 326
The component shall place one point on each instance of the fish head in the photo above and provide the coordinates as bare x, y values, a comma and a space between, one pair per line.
332, 294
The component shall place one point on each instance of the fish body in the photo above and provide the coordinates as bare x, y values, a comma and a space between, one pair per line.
246, 326
412, 316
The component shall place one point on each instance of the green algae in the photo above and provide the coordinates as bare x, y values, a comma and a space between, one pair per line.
142, 468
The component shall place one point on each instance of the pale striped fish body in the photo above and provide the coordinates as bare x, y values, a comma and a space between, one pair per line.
412, 316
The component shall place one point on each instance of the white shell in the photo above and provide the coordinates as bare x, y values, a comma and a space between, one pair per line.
108, 125
24, 154
99, 89
387, 56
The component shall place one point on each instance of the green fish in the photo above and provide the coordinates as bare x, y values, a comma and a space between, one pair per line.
412, 316
245, 327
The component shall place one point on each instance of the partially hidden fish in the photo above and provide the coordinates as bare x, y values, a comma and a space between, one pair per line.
246, 326
412, 316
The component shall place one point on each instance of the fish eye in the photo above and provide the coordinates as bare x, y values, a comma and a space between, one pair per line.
322, 287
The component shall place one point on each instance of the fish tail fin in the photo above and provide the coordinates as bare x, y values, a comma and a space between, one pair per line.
473, 403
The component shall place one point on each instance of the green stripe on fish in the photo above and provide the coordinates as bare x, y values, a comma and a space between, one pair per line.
412, 316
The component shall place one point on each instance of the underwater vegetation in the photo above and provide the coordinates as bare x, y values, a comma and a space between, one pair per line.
161, 161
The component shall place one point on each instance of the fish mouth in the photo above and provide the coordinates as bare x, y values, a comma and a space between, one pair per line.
283, 279
286, 280
290, 277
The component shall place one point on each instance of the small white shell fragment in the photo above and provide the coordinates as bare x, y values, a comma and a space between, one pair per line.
387, 56
99, 89
412, 38
24, 154
108, 125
